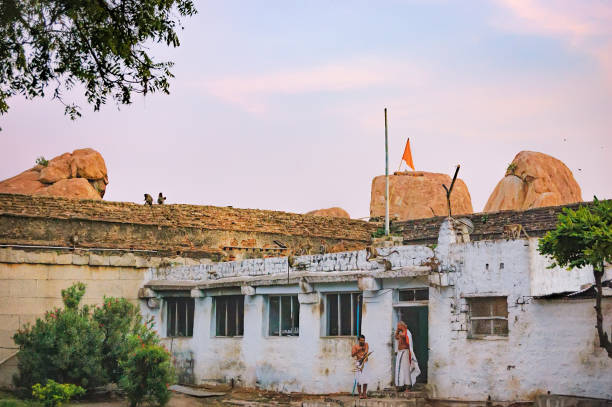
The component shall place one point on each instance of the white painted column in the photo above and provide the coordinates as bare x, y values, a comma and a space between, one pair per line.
252, 341
377, 326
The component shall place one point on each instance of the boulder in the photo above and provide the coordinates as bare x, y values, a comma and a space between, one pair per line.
418, 194
334, 212
71, 188
534, 180
25, 183
80, 174
89, 164
57, 169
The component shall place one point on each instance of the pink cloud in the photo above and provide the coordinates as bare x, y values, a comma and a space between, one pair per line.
250, 92
585, 25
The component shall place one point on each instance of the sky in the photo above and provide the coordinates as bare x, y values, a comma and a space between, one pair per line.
279, 104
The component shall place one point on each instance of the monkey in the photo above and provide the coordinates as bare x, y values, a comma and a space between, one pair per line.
161, 199
148, 199
372, 254
513, 231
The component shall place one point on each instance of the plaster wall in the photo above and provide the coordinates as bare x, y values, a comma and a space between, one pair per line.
310, 362
551, 345
28, 290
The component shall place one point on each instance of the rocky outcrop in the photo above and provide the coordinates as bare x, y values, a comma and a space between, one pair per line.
418, 194
81, 174
334, 212
534, 180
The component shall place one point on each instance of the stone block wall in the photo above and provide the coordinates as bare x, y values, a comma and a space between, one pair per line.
31, 281
487, 226
192, 231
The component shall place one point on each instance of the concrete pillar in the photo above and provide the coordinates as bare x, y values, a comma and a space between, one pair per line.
252, 341
310, 336
377, 326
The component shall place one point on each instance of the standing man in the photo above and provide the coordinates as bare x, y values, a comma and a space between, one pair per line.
406, 365
361, 352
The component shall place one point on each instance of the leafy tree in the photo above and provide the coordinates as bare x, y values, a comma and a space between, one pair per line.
584, 238
101, 44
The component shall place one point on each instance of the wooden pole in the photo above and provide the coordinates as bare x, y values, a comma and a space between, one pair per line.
386, 177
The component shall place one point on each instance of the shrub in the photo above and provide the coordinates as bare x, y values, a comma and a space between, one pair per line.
116, 318
147, 371
54, 394
42, 161
74, 345
63, 346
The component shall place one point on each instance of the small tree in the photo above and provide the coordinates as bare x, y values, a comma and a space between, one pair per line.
63, 345
584, 238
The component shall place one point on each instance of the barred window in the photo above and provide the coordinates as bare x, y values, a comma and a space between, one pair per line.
414, 294
179, 312
283, 315
488, 316
344, 314
229, 315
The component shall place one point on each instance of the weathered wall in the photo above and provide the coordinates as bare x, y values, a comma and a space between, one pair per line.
189, 230
551, 344
31, 281
487, 226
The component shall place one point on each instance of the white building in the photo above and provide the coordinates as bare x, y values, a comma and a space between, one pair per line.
482, 314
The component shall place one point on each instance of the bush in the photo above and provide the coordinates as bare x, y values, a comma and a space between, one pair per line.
73, 345
148, 372
117, 318
42, 161
64, 346
55, 394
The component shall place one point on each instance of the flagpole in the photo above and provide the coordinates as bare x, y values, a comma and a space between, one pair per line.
386, 177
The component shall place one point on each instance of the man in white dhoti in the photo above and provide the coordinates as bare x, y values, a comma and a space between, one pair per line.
360, 352
406, 364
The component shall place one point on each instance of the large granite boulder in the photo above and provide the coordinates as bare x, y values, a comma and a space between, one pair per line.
534, 180
80, 174
417, 195
334, 212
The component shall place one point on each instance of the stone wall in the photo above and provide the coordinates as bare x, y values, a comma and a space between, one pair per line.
31, 281
189, 230
487, 226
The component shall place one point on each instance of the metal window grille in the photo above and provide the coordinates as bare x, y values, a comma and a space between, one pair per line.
284, 315
488, 316
179, 314
344, 311
229, 315
414, 294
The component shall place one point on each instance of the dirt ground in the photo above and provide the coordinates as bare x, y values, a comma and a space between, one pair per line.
233, 397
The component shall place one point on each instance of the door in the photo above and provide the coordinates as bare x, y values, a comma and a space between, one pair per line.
416, 320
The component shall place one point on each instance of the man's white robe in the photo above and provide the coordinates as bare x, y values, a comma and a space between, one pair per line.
406, 365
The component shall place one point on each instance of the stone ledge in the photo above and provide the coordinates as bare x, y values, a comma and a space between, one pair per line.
90, 258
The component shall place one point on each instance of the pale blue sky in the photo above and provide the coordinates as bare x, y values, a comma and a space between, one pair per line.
279, 104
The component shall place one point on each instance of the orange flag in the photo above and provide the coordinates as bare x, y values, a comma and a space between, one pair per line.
408, 155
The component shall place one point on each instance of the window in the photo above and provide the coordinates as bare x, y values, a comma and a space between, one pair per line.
284, 315
179, 313
229, 315
344, 314
488, 316
414, 294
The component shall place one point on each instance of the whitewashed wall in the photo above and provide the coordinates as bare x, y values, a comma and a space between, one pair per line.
551, 344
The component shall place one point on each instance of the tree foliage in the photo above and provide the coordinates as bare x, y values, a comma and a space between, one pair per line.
101, 44
584, 238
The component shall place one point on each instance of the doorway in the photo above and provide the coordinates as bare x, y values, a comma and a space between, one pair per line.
415, 318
